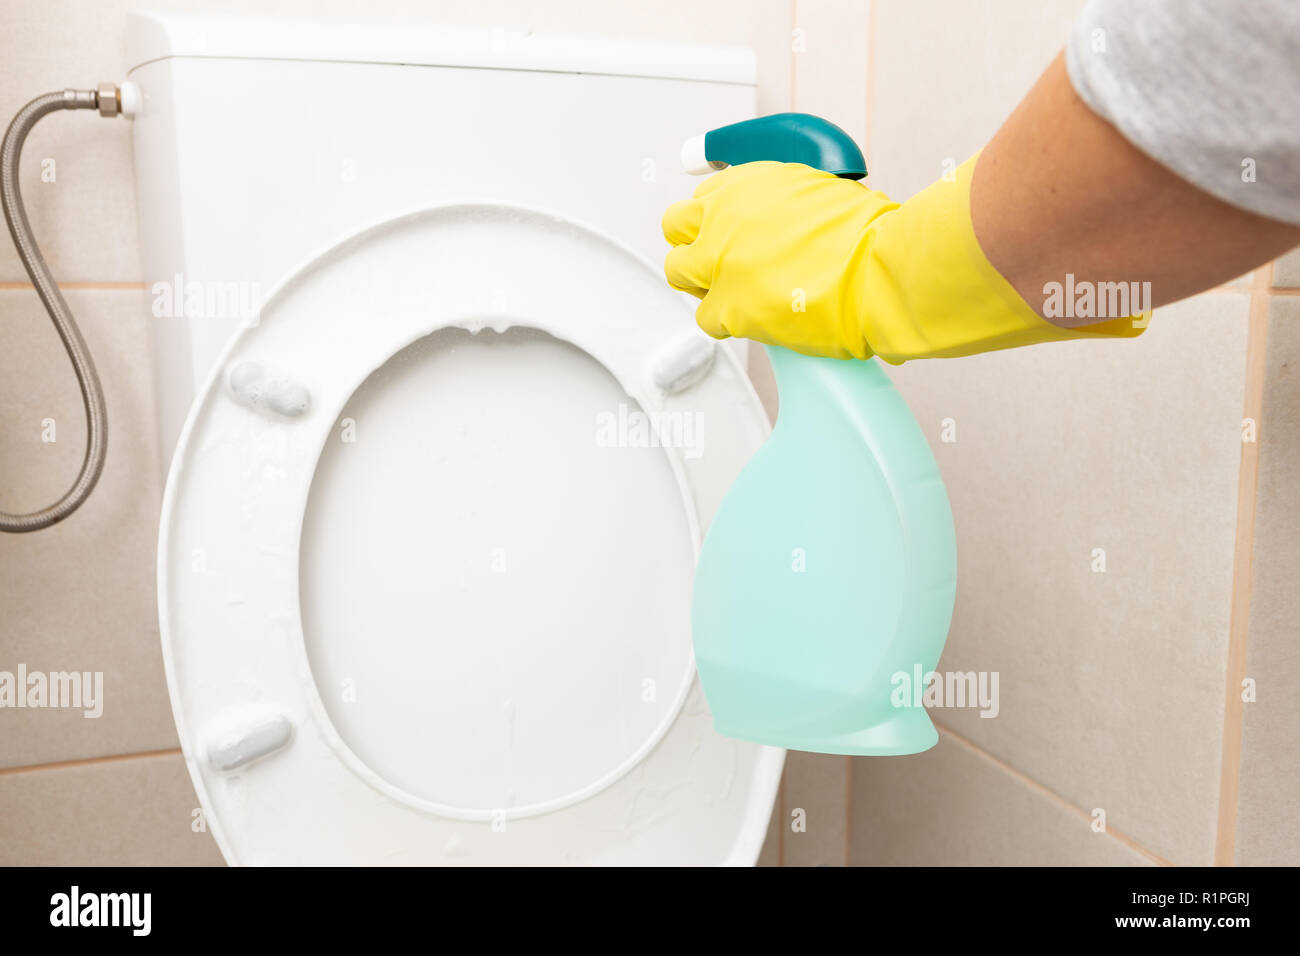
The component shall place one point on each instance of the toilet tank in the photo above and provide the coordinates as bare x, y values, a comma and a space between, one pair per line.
261, 143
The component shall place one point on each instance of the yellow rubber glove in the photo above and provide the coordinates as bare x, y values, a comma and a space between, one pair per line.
793, 256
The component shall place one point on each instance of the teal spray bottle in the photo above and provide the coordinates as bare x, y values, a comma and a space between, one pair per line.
825, 584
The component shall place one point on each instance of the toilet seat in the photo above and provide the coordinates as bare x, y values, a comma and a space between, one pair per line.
277, 766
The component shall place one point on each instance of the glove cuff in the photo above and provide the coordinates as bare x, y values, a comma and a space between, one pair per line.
925, 289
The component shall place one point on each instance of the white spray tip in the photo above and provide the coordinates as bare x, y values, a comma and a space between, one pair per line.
693, 158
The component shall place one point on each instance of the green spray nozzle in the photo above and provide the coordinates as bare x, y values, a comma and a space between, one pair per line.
787, 138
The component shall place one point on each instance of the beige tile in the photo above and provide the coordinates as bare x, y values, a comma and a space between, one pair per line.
772, 26
80, 596
947, 74
1268, 827
1286, 270
830, 62
1111, 684
809, 824
770, 855
951, 806
85, 220
137, 811
815, 817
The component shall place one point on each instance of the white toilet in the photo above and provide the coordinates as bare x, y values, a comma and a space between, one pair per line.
443, 443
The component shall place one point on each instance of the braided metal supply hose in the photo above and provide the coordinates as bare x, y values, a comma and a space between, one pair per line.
105, 99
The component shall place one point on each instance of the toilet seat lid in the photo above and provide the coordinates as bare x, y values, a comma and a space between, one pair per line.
463, 291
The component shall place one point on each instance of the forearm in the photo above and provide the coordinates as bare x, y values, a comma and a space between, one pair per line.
1059, 191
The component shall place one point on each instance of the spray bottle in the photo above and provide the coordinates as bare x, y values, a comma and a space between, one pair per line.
825, 584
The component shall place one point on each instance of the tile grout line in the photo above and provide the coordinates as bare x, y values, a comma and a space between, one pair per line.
866, 152
87, 761
789, 43
871, 83
1028, 781
781, 824
848, 810
1243, 562
17, 286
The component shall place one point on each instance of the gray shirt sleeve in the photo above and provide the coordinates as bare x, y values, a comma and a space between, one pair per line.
1208, 88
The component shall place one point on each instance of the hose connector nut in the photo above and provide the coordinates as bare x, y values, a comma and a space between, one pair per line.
109, 105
